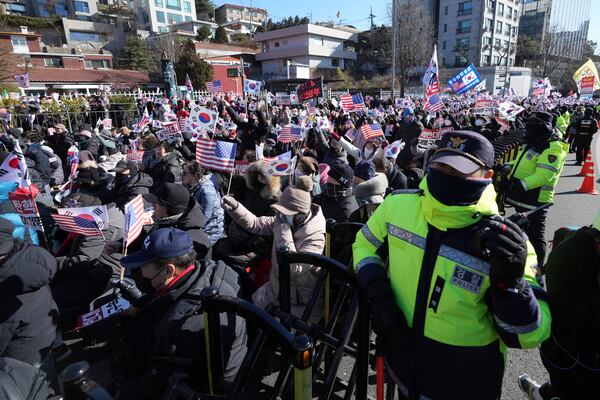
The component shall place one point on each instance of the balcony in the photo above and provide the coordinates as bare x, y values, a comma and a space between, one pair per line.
460, 12
463, 30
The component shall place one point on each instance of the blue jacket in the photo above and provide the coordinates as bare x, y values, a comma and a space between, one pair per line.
207, 196
8, 212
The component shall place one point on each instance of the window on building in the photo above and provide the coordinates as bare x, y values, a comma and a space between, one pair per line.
446, 10
162, 29
102, 64
500, 9
187, 18
509, 11
82, 6
174, 18
497, 42
18, 41
174, 4
499, 26
486, 60
232, 72
489, 24
487, 40
335, 62
509, 29
53, 62
464, 26
187, 6
463, 43
496, 60
491, 4
160, 17
465, 8
444, 45
445, 28
81, 36
276, 44
158, 3
506, 43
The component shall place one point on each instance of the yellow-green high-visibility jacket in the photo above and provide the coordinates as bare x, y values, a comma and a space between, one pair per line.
537, 167
459, 325
562, 123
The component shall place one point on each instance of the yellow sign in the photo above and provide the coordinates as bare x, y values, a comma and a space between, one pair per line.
587, 69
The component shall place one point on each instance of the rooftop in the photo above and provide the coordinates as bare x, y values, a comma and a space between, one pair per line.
72, 75
335, 32
227, 5
224, 47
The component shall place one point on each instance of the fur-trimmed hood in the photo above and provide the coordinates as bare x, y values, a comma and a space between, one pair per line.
371, 191
271, 190
88, 164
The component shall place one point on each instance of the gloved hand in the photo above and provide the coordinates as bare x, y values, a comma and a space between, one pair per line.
508, 251
386, 317
128, 289
515, 186
229, 203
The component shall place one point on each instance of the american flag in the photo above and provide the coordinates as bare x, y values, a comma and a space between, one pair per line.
434, 103
214, 86
353, 102
145, 120
371, 131
289, 133
135, 219
216, 154
77, 224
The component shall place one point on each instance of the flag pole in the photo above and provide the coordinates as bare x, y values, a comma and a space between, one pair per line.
229, 184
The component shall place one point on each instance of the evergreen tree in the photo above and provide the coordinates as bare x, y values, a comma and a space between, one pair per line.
205, 10
221, 35
135, 55
203, 33
191, 64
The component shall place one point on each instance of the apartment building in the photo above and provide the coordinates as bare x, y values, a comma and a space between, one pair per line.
240, 19
158, 15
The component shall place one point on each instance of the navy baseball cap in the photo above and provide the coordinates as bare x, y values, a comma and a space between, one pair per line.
465, 151
162, 243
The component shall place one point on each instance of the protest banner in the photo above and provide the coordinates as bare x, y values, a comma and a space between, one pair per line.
135, 155
310, 89
429, 137
109, 309
27, 209
484, 107
587, 69
283, 99
587, 85
465, 80
170, 132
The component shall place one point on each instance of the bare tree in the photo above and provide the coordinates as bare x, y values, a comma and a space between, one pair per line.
414, 38
11, 64
167, 43
551, 53
462, 51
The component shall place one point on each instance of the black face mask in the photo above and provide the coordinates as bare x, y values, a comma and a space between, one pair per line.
143, 283
453, 190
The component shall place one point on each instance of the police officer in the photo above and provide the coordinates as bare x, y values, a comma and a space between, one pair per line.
585, 127
445, 311
534, 175
563, 121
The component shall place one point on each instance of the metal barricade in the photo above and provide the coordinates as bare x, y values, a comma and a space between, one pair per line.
298, 348
331, 346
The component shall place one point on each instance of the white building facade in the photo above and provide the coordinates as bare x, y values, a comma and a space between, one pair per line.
158, 15
314, 46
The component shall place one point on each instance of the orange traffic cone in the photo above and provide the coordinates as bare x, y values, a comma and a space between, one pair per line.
588, 181
588, 159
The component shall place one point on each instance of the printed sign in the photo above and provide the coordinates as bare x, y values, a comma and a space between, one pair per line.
465, 80
310, 89
484, 107
170, 132
114, 307
27, 209
429, 137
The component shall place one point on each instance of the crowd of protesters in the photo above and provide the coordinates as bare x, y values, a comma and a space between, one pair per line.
210, 227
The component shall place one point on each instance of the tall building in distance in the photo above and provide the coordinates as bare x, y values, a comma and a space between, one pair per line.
482, 32
563, 23
240, 19
158, 15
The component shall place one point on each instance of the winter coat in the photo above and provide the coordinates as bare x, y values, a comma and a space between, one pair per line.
167, 170
408, 133
85, 249
22, 381
41, 161
250, 134
369, 194
56, 166
339, 207
28, 315
209, 200
127, 188
309, 238
167, 335
396, 178
92, 145
7, 211
110, 162
257, 197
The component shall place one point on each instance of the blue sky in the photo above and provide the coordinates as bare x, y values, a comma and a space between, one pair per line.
355, 12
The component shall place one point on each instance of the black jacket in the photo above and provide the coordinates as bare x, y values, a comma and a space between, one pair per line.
42, 161
408, 133
168, 334
338, 208
167, 170
586, 126
396, 178
125, 191
250, 133
28, 315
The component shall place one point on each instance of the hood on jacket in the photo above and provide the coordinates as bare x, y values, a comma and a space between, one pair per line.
371, 191
445, 217
271, 189
28, 270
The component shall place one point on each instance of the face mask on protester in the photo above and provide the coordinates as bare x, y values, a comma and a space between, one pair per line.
455, 190
447, 122
143, 283
479, 122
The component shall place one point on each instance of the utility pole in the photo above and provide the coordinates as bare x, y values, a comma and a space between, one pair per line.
507, 73
394, 44
371, 16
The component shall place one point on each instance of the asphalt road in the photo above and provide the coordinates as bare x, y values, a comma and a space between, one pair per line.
570, 209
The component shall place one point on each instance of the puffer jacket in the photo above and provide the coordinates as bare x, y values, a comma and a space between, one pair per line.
7, 211
309, 237
207, 196
28, 315
22, 381
110, 162
41, 162
369, 194
167, 170
57, 176
126, 189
